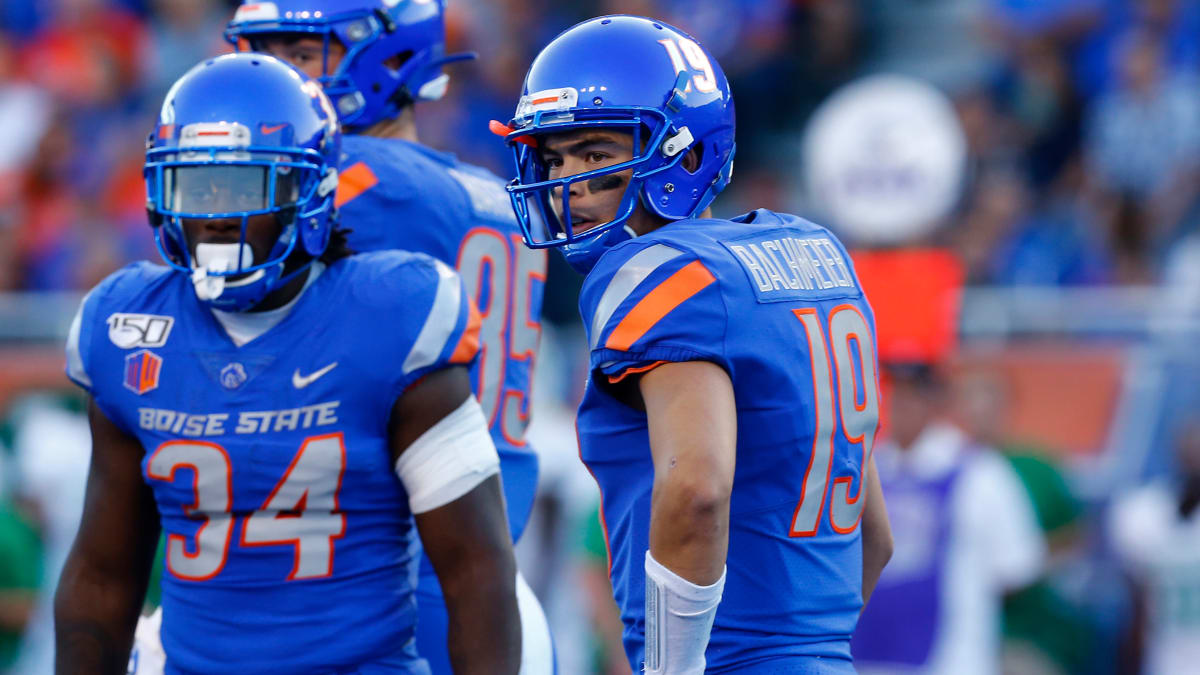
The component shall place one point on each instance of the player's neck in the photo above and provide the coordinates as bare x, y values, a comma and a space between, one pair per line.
403, 127
645, 223
284, 294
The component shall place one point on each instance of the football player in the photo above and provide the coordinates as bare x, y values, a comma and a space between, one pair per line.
285, 412
376, 60
732, 403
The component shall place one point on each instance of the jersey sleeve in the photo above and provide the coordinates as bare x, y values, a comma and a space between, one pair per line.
652, 305
449, 323
83, 327
76, 359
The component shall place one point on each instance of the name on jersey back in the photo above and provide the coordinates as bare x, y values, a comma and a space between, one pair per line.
784, 267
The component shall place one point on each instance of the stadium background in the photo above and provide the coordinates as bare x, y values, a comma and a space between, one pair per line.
1075, 227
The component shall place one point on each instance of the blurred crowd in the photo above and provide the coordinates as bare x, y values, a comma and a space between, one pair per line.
1082, 125
1082, 117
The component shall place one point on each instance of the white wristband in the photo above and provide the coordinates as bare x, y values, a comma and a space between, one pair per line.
449, 459
679, 619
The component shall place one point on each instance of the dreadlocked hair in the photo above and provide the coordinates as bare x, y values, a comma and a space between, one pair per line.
339, 246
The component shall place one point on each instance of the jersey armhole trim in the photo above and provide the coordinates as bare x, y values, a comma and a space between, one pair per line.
468, 344
606, 358
614, 379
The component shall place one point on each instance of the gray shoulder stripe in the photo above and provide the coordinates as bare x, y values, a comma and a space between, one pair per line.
633, 272
75, 365
439, 324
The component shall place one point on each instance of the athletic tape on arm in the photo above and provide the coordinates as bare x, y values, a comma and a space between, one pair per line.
449, 459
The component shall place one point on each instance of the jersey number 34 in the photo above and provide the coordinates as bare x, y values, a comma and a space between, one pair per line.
302, 511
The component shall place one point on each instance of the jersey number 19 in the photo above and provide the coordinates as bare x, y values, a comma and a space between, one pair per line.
853, 351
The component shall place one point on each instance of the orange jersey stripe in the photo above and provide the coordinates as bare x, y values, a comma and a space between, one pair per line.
659, 302
468, 344
353, 181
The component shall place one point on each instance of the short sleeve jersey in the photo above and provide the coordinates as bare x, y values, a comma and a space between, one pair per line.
774, 301
289, 537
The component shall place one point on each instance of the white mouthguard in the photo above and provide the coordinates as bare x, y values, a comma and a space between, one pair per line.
211, 260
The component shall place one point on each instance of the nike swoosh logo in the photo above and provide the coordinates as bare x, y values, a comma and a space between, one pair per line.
270, 130
301, 381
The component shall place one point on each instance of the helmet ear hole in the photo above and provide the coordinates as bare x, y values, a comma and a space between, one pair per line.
286, 216
693, 159
397, 61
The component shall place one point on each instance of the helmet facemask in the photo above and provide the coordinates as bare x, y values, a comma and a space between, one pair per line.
236, 183
543, 204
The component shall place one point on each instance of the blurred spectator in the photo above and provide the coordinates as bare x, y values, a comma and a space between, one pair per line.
24, 109
1132, 229
940, 41
1037, 91
181, 33
1044, 629
53, 448
1144, 134
1155, 532
965, 535
20, 575
20, 566
88, 55
1175, 22
608, 649
1181, 277
1002, 240
62, 244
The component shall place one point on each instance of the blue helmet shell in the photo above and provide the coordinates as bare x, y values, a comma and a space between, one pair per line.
635, 74
246, 110
363, 88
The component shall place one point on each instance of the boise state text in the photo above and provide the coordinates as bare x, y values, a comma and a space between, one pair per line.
773, 300
270, 463
395, 194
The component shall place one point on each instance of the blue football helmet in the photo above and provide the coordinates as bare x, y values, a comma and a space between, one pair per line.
242, 135
364, 88
631, 74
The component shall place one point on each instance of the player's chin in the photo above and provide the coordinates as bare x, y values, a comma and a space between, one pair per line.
579, 227
584, 221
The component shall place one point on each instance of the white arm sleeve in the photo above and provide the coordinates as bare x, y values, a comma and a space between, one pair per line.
679, 620
449, 459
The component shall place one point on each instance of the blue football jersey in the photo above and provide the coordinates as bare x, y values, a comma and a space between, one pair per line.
290, 544
395, 194
772, 299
